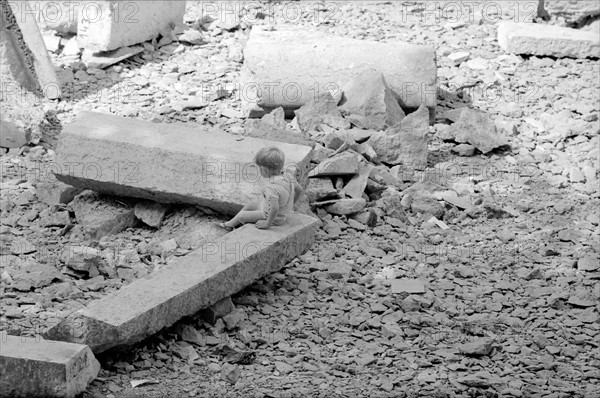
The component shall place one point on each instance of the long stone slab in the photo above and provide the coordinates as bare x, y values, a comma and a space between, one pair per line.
166, 163
107, 25
289, 66
190, 283
38, 54
547, 40
33, 367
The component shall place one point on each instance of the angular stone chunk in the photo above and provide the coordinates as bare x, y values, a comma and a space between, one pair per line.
108, 25
190, 283
368, 95
31, 367
346, 163
166, 163
573, 11
289, 66
547, 40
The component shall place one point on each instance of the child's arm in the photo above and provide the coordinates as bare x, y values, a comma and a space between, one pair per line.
273, 210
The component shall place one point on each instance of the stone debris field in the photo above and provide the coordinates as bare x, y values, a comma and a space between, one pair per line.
447, 243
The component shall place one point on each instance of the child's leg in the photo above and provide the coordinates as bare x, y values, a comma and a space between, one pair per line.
250, 213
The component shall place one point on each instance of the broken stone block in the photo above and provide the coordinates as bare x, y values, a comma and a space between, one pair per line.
305, 64
59, 16
320, 189
459, 57
427, 205
405, 143
312, 114
464, 150
478, 347
272, 126
115, 24
150, 213
367, 217
12, 136
199, 166
218, 310
101, 60
346, 163
356, 186
101, 215
82, 258
56, 192
188, 284
368, 94
412, 286
547, 40
32, 367
478, 129
346, 206
575, 12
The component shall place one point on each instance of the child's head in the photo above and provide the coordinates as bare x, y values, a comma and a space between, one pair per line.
270, 161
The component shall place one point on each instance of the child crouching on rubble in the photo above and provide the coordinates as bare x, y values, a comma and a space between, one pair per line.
279, 194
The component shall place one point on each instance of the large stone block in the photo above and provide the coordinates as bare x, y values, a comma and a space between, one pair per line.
288, 67
60, 16
574, 12
547, 40
108, 25
166, 163
190, 283
32, 367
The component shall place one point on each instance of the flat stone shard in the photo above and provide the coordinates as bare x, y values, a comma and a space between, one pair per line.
316, 111
31, 367
305, 64
547, 40
190, 283
346, 163
101, 60
113, 24
166, 163
150, 213
368, 94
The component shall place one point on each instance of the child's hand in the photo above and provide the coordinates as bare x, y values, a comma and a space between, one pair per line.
262, 224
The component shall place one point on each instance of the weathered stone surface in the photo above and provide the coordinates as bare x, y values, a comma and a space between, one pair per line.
117, 26
31, 367
548, 40
405, 143
216, 270
346, 206
478, 129
210, 168
320, 188
101, 215
313, 112
346, 163
588, 263
300, 61
12, 136
408, 286
150, 213
368, 94
573, 11
52, 192
60, 16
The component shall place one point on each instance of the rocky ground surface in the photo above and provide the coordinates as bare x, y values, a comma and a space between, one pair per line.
501, 296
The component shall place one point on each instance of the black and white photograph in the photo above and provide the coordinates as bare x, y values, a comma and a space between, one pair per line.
300, 198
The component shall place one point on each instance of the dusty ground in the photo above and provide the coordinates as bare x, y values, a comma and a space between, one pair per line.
511, 306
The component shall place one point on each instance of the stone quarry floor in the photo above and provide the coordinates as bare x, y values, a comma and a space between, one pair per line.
511, 302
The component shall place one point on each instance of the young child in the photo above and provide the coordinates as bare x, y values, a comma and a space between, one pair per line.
279, 194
